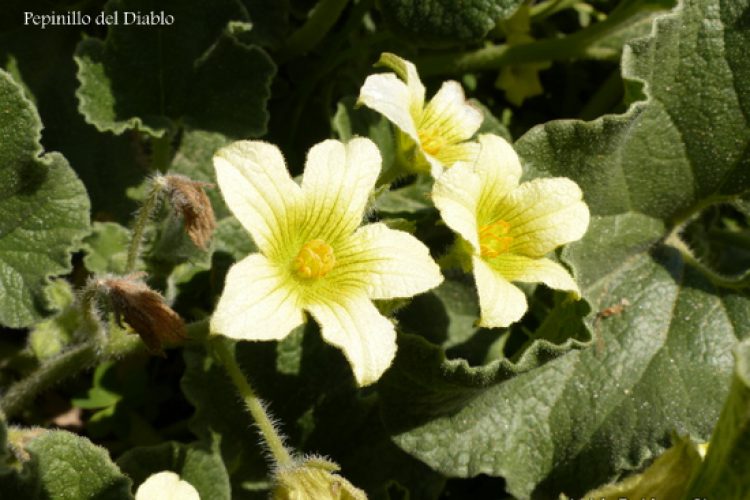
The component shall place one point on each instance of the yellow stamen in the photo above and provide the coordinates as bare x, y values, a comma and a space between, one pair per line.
493, 239
431, 141
314, 260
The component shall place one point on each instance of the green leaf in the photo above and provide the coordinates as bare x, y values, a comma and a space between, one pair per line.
43, 60
724, 472
44, 210
195, 71
107, 248
63, 466
195, 463
578, 420
686, 145
50, 336
99, 395
445, 22
664, 330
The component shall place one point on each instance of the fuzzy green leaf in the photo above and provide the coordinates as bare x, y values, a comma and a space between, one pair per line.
44, 210
664, 331
107, 164
50, 336
195, 71
445, 22
63, 466
195, 463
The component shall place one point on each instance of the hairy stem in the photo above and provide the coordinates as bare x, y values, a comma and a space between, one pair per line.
63, 366
254, 405
734, 282
321, 20
141, 220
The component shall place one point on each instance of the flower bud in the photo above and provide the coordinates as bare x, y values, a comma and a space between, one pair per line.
313, 477
144, 310
188, 198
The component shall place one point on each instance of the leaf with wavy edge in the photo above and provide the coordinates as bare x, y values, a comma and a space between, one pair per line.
44, 210
195, 71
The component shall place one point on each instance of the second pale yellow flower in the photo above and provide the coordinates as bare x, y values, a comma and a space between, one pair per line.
432, 136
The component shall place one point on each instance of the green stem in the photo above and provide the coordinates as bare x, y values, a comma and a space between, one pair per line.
63, 366
734, 282
545, 9
321, 20
254, 405
141, 220
494, 57
92, 324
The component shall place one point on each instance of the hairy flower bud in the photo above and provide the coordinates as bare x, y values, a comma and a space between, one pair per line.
144, 310
188, 198
313, 477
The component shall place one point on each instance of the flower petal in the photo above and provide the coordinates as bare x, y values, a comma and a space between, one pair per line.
544, 214
391, 97
450, 116
258, 190
388, 263
464, 152
456, 194
499, 170
166, 485
500, 302
258, 302
527, 270
354, 325
337, 183
408, 73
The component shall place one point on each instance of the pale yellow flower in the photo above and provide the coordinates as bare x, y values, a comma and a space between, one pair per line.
432, 136
507, 228
314, 256
166, 485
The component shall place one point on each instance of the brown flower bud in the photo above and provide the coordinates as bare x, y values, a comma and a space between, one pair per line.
144, 310
189, 199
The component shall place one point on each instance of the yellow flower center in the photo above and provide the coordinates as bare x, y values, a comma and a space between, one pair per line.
494, 239
431, 141
314, 260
